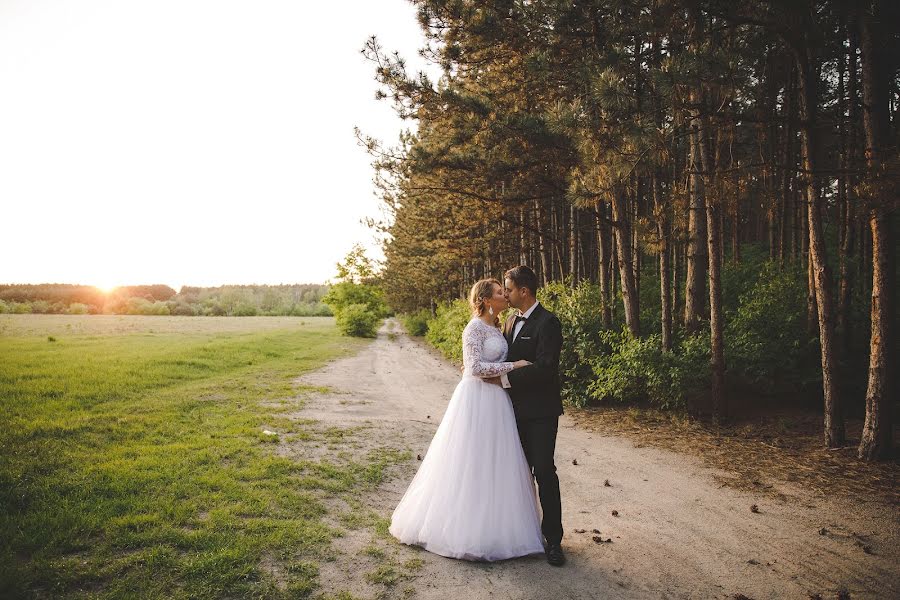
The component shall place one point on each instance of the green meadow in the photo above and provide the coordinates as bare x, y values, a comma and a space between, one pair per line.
133, 461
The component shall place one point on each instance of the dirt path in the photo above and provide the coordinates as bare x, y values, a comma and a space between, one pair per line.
678, 533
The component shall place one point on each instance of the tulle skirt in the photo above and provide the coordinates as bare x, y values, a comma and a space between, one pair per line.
473, 496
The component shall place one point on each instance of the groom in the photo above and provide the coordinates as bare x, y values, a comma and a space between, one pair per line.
535, 334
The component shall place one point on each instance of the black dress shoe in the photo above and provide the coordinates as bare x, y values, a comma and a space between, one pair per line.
555, 555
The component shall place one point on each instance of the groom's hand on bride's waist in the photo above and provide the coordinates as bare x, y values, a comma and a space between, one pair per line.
494, 380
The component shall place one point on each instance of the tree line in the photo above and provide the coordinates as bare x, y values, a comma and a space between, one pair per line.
227, 300
627, 143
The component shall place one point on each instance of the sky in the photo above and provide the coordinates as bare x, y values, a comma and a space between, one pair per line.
190, 142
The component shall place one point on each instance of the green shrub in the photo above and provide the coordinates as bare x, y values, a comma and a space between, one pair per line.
578, 310
358, 321
316, 309
445, 329
416, 323
181, 308
40, 307
212, 308
244, 309
77, 308
346, 294
142, 306
766, 337
357, 307
636, 369
20, 308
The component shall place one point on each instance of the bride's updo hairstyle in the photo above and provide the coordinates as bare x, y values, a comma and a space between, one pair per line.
481, 292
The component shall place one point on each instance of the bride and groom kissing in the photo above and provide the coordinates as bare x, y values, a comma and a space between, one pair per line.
473, 496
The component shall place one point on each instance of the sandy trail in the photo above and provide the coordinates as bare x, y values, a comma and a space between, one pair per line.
678, 533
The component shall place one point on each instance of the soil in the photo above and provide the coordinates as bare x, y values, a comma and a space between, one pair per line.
680, 525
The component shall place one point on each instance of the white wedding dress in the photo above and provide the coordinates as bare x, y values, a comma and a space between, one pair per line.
473, 496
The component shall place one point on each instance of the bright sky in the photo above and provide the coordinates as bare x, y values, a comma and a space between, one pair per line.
196, 142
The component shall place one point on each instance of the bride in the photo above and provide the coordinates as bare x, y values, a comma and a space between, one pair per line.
473, 496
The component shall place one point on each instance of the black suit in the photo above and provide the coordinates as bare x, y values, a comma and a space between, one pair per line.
536, 399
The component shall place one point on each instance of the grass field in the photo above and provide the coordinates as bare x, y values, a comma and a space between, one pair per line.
133, 461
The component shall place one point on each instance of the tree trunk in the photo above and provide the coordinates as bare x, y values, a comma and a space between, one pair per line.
877, 429
635, 246
665, 285
812, 311
542, 243
523, 260
676, 277
603, 252
736, 232
716, 317
807, 72
573, 244
626, 272
697, 257
556, 225
614, 267
787, 205
711, 159
845, 230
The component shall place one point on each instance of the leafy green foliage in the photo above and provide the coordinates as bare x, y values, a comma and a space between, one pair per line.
637, 370
141, 306
416, 323
357, 320
346, 293
578, 310
229, 300
358, 307
356, 267
766, 336
445, 329
357, 301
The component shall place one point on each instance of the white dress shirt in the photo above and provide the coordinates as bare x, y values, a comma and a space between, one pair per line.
503, 378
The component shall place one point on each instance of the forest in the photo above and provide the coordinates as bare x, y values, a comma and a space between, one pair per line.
707, 190
301, 300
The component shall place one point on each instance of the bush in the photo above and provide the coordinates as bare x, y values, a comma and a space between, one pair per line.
142, 306
347, 294
416, 323
636, 369
244, 309
357, 307
180, 308
19, 308
211, 308
358, 321
578, 310
766, 337
445, 329
41, 307
77, 308
316, 309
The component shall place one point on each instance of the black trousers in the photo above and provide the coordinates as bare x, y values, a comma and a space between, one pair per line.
539, 442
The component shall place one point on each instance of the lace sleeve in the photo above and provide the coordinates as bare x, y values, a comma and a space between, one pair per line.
473, 339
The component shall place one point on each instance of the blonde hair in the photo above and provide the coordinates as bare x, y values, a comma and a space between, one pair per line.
482, 291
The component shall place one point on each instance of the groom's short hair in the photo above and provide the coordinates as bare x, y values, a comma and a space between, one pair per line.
523, 276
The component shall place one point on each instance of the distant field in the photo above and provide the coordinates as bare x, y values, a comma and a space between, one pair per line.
133, 461
28, 325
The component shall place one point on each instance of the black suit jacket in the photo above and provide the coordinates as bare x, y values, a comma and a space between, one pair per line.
535, 389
